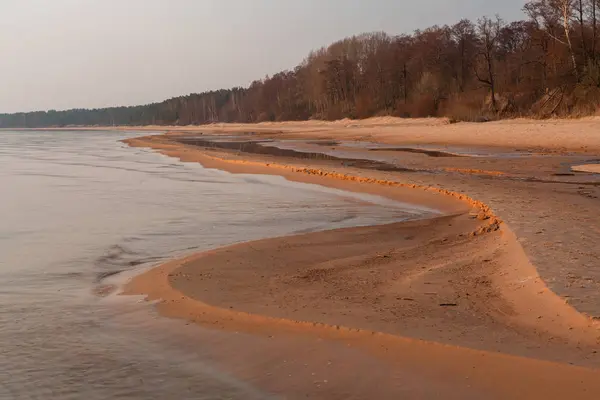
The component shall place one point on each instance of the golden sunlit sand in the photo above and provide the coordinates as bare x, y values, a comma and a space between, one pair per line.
462, 279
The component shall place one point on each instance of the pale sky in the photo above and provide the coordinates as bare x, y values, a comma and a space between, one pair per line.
59, 54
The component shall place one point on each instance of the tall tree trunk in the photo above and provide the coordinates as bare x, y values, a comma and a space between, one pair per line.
566, 12
490, 65
582, 29
594, 28
405, 74
463, 72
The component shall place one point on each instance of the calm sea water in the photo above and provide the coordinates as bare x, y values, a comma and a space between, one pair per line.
78, 207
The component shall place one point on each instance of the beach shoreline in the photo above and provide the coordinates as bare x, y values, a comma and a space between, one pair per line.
520, 300
486, 297
450, 204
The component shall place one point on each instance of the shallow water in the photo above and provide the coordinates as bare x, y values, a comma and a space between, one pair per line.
78, 207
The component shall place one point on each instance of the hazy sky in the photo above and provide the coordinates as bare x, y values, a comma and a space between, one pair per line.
94, 53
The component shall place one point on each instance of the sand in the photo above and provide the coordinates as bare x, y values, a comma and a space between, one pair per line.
465, 294
593, 168
552, 135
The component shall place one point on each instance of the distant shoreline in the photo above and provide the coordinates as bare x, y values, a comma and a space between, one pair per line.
575, 135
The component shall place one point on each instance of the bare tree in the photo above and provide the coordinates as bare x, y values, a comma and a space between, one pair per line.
463, 34
489, 31
549, 14
579, 6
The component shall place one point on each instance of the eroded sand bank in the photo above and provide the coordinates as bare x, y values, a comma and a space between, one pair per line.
462, 279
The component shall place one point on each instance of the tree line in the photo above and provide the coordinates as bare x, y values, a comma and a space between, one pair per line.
547, 64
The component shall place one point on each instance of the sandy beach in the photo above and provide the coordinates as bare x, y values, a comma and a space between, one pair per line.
547, 134
501, 287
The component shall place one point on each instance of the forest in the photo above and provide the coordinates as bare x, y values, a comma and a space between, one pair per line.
545, 65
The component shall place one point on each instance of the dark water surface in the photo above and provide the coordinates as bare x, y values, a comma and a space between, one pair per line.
79, 207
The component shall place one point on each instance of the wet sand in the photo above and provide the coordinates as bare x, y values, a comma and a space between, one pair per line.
444, 296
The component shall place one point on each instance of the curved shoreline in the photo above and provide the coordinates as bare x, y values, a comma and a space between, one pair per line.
533, 307
521, 279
